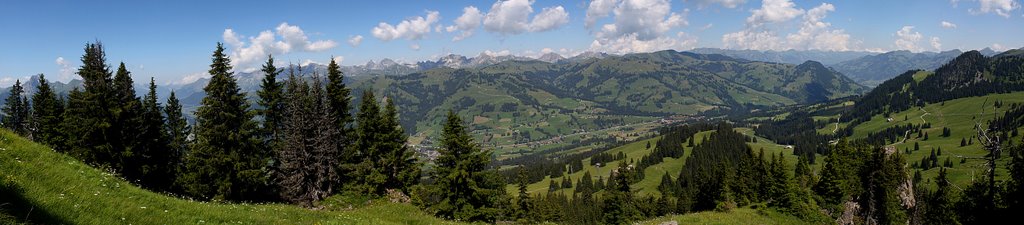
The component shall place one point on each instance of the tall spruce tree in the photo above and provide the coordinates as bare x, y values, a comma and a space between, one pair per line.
88, 120
16, 110
369, 146
158, 159
399, 161
618, 207
340, 100
523, 204
46, 113
939, 208
126, 126
271, 101
177, 130
308, 170
224, 163
464, 188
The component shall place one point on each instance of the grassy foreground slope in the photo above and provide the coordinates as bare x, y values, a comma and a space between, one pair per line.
48, 187
735, 216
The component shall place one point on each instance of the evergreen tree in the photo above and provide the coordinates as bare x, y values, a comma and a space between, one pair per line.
553, 186
618, 206
177, 132
46, 113
399, 161
129, 150
272, 104
340, 101
939, 208
308, 167
465, 189
158, 161
585, 187
368, 146
87, 123
16, 111
224, 163
523, 204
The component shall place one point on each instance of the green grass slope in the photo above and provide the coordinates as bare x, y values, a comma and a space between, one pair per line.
735, 216
959, 115
52, 188
653, 174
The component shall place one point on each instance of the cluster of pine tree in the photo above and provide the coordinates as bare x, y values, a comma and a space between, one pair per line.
300, 145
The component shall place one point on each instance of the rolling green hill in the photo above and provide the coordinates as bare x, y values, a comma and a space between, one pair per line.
520, 105
653, 174
960, 116
51, 188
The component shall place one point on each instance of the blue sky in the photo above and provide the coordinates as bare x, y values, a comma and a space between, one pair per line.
172, 40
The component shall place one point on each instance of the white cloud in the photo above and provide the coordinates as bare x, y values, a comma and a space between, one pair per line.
706, 27
414, 47
549, 19
338, 59
511, 17
999, 7
411, 29
508, 17
65, 71
907, 38
496, 53
999, 47
774, 11
936, 43
630, 44
292, 38
597, 10
814, 32
947, 24
725, 3
467, 23
188, 79
354, 41
638, 26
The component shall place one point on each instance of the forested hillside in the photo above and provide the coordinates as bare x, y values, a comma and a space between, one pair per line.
522, 102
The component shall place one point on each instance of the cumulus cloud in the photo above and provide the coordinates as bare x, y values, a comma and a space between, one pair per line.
816, 34
762, 28
999, 47
411, 29
354, 41
907, 39
936, 43
630, 44
638, 26
246, 50
724, 3
338, 59
414, 46
549, 19
999, 7
774, 11
512, 17
467, 23
947, 24
597, 10
188, 79
64, 69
